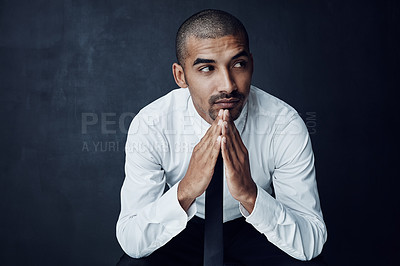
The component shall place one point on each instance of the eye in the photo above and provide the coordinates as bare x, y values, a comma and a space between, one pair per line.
240, 64
207, 69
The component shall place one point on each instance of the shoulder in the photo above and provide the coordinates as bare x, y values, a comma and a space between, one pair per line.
147, 128
264, 102
175, 100
161, 114
169, 107
269, 109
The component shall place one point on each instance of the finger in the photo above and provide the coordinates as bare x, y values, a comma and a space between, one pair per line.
225, 154
226, 115
236, 138
225, 122
216, 120
238, 146
224, 127
216, 148
213, 135
232, 126
220, 114
230, 145
213, 130
218, 131
212, 149
215, 126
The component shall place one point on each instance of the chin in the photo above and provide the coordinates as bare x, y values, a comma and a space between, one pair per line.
234, 112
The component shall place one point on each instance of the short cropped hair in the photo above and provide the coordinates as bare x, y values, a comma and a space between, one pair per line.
209, 23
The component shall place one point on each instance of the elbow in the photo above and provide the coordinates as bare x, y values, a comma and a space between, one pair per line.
320, 237
129, 245
307, 246
310, 245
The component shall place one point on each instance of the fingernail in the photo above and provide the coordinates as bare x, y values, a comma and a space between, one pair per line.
220, 112
223, 139
226, 124
227, 113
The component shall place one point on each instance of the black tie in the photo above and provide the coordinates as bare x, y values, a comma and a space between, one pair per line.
213, 235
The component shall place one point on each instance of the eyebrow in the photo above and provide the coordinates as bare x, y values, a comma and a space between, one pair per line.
203, 61
242, 53
211, 61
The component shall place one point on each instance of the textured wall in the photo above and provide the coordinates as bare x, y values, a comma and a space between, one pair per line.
74, 73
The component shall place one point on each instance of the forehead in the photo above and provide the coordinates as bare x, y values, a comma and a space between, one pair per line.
214, 48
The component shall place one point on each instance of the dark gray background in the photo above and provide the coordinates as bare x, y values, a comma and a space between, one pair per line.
334, 61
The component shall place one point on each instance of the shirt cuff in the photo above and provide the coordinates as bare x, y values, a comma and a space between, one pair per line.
266, 212
170, 212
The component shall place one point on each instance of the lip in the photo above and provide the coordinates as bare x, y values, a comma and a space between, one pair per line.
227, 103
229, 100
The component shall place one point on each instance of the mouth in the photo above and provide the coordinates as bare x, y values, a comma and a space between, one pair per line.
227, 103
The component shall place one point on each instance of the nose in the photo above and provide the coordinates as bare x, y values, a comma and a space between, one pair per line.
227, 83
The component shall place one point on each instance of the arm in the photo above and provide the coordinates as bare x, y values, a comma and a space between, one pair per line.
293, 221
148, 218
201, 165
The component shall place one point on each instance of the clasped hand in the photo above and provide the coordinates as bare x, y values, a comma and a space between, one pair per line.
223, 137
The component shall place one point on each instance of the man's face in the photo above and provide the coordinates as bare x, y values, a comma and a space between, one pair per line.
218, 73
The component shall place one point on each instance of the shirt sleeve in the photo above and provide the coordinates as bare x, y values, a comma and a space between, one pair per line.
293, 219
149, 217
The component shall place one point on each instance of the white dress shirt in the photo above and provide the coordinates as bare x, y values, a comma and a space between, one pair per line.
159, 146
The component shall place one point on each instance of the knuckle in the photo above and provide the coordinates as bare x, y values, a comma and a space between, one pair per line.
196, 149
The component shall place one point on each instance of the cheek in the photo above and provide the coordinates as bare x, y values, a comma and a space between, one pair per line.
243, 82
200, 95
244, 77
201, 90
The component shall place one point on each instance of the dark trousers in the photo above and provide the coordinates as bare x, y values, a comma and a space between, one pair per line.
243, 245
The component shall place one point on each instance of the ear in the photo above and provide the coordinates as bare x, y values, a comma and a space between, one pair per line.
179, 75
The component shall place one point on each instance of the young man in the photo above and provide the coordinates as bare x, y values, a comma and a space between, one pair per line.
271, 209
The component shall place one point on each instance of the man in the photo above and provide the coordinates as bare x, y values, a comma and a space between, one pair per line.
271, 209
